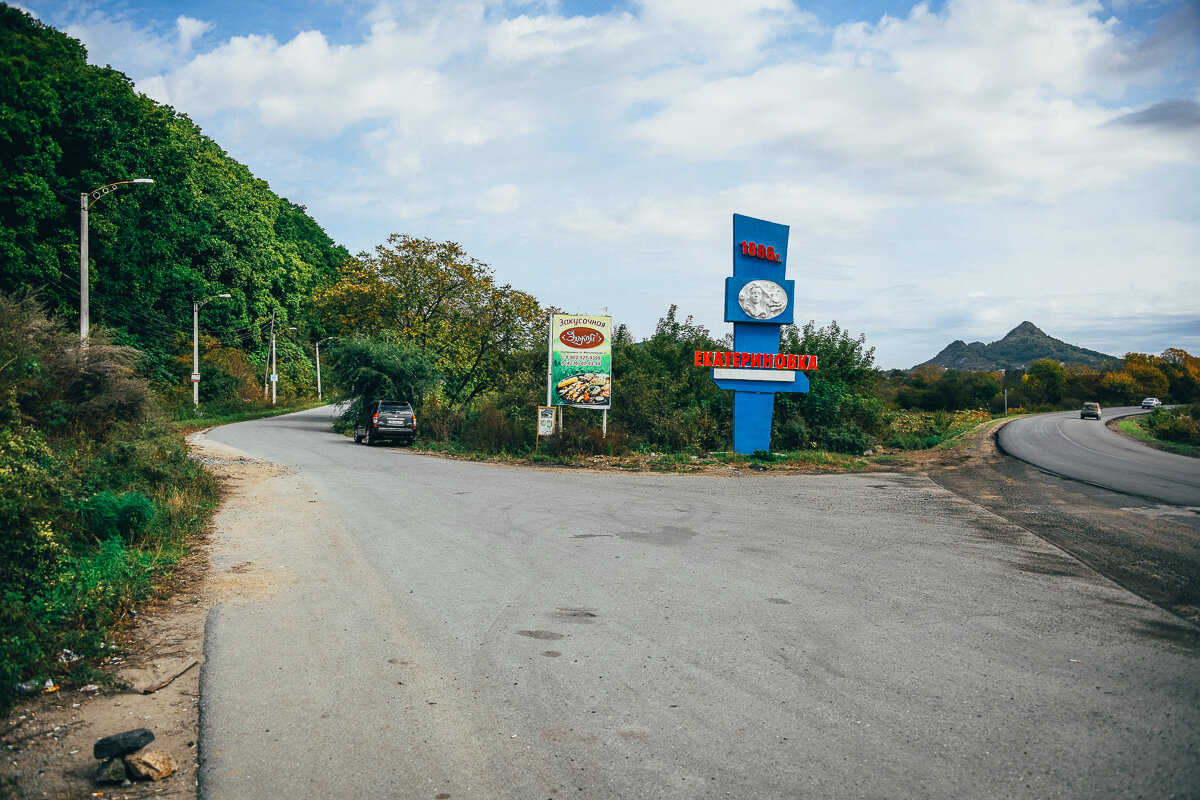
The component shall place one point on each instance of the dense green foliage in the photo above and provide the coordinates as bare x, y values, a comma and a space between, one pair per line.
435, 297
365, 370
1180, 425
97, 495
840, 412
664, 403
205, 226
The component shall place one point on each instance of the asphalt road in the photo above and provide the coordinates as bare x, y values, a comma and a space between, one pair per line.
415, 627
1086, 450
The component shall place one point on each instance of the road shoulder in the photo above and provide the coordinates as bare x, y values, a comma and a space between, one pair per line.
48, 737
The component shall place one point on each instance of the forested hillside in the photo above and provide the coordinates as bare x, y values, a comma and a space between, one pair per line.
205, 226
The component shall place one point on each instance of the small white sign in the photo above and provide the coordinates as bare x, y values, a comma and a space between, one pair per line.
545, 421
195, 377
274, 377
780, 375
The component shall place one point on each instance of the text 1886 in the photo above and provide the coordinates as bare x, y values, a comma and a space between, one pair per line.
760, 251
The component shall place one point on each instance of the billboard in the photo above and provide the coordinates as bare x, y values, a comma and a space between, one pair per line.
580, 361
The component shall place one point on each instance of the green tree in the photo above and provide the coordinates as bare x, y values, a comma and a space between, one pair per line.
842, 410
1045, 381
363, 370
206, 225
440, 300
665, 402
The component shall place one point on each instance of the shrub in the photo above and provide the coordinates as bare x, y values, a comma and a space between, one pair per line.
1180, 425
915, 430
125, 515
86, 519
845, 439
486, 428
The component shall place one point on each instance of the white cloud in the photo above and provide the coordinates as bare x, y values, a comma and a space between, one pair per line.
946, 173
500, 199
189, 29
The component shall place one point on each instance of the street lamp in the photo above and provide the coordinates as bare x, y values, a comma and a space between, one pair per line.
196, 345
85, 201
326, 339
274, 362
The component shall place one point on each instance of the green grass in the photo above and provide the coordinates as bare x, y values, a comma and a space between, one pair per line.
1134, 427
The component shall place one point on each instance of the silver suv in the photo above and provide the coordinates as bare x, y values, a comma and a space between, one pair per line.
1090, 410
386, 420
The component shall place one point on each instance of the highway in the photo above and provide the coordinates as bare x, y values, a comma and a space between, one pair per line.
394, 625
1086, 450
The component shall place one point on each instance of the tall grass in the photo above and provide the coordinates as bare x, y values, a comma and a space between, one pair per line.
98, 498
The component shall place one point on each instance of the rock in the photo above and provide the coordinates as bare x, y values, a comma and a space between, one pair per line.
121, 743
151, 764
112, 771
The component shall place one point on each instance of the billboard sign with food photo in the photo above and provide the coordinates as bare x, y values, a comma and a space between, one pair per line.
580, 361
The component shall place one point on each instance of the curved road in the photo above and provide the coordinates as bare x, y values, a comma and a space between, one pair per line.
394, 625
1086, 450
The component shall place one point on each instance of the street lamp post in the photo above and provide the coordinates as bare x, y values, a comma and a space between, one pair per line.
275, 364
85, 201
196, 345
326, 339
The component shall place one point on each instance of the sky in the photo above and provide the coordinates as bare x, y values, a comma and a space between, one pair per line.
947, 169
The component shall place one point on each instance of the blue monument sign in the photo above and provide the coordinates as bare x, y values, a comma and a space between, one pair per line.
758, 300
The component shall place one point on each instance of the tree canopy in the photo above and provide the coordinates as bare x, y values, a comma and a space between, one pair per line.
205, 226
435, 297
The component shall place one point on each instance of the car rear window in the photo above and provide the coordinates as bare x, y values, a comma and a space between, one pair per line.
395, 407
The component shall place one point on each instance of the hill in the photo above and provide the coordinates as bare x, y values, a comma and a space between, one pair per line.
205, 226
1022, 346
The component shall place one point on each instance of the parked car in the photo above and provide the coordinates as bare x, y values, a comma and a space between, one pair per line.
1151, 402
386, 420
1090, 410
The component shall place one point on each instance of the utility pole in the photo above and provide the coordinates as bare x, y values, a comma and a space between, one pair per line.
83, 269
267, 368
274, 366
319, 370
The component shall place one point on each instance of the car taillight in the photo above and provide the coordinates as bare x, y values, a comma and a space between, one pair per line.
414, 422
375, 418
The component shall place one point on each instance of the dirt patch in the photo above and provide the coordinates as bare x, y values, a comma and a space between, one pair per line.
49, 737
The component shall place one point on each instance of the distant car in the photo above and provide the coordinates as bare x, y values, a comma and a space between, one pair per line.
386, 420
1090, 410
1151, 402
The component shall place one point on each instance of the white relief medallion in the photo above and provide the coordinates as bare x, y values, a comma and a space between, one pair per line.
762, 299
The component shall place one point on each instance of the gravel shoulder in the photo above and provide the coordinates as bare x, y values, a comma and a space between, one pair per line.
1152, 551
